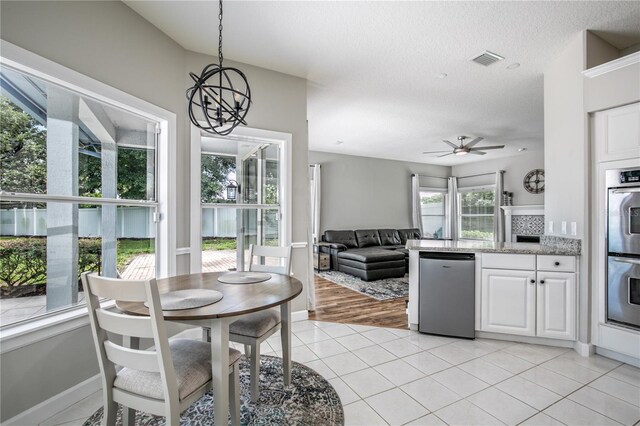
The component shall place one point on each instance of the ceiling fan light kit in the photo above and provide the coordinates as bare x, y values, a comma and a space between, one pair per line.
463, 149
221, 94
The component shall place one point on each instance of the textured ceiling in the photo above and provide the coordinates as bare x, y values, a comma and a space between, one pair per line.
372, 66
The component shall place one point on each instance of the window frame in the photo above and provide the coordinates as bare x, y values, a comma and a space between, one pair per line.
26, 332
460, 215
445, 208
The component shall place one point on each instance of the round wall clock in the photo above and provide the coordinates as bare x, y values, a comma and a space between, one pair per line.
534, 181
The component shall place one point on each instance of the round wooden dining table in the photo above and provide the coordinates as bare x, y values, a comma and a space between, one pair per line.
237, 300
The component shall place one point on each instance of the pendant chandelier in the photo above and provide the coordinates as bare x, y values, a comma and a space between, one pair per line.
220, 94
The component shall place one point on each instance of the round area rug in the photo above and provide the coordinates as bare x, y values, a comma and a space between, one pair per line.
310, 400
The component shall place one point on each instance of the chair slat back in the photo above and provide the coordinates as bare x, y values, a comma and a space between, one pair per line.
125, 325
117, 289
282, 254
132, 358
112, 354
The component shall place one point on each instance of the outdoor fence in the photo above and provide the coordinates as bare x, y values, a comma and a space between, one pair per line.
132, 222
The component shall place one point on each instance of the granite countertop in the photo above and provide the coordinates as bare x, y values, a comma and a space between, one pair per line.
492, 247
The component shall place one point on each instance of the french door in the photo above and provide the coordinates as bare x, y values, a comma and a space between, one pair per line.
240, 196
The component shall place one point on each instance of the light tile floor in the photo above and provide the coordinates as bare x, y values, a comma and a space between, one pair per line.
395, 377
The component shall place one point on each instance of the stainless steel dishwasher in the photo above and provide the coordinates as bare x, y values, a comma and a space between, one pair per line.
447, 294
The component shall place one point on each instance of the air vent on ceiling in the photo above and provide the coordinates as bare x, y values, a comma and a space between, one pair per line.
487, 58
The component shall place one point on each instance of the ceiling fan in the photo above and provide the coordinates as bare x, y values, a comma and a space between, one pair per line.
463, 149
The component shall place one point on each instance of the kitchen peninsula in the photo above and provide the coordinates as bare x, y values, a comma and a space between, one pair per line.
523, 291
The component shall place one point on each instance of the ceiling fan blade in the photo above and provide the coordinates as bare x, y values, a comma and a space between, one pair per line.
451, 144
451, 153
473, 142
477, 152
436, 152
483, 148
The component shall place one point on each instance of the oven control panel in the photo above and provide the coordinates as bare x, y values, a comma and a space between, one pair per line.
630, 176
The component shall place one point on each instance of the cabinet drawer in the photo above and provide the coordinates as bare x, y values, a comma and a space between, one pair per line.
557, 263
509, 261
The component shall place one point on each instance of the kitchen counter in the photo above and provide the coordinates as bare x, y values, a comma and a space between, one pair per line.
470, 246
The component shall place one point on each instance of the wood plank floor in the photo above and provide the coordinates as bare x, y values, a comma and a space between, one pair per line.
335, 303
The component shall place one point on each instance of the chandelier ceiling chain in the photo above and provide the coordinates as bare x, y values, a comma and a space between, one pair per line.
220, 34
220, 95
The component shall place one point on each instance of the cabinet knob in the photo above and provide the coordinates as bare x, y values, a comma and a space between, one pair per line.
541, 281
557, 263
533, 281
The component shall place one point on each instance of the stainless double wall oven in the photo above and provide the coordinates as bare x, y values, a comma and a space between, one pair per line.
623, 247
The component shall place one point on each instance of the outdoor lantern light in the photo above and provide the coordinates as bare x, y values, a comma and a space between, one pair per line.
232, 190
221, 94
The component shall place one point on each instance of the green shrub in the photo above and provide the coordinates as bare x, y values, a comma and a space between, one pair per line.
23, 261
477, 235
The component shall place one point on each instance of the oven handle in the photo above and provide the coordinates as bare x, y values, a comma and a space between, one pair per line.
625, 190
632, 261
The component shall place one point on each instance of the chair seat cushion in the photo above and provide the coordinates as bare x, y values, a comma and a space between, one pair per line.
255, 324
191, 361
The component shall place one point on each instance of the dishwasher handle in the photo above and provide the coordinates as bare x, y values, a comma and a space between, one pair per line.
448, 256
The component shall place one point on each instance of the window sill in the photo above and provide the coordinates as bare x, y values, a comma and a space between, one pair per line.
24, 334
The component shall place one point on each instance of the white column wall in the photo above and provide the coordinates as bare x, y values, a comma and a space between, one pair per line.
62, 179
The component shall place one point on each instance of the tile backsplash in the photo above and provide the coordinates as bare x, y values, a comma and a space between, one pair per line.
527, 225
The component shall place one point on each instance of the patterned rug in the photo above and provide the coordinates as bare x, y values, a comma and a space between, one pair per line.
310, 400
385, 289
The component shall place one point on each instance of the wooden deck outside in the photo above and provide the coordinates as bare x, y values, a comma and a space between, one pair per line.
143, 266
335, 303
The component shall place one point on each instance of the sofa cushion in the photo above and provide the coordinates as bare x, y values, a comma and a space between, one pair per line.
389, 237
367, 237
375, 274
348, 238
371, 265
371, 255
408, 234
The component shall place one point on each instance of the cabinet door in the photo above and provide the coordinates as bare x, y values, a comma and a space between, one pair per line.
556, 305
508, 302
617, 132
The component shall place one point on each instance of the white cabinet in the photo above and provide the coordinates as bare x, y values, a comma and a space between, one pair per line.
540, 301
508, 302
616, 133
556, 305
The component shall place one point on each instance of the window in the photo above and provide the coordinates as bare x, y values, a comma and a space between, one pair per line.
476, 212
79, 193
433, 212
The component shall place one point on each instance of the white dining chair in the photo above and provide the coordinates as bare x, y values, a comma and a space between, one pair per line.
253, 329
164, 380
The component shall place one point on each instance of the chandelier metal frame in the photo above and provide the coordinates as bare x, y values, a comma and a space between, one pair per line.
222, 105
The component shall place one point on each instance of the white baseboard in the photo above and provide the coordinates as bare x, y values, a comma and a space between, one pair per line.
526, 339
618, 356
56, 404
584, 349
299, 316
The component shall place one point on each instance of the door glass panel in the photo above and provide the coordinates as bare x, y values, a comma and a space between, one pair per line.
634, 291
252, 171
634, 220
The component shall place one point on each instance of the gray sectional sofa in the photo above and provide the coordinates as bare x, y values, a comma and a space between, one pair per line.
370, 254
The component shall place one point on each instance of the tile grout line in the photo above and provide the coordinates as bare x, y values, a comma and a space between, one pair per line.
456, 365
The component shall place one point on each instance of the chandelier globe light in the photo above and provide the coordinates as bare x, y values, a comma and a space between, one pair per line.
220, 95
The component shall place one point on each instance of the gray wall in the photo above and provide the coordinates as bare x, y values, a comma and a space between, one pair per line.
364, 192
110, 43
515, 167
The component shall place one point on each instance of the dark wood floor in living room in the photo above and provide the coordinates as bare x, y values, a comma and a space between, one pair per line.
335, 303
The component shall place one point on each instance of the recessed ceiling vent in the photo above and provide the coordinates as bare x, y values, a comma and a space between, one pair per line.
487, 58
